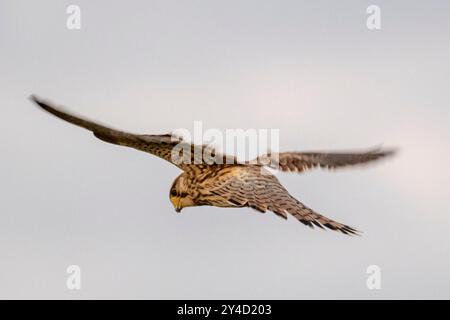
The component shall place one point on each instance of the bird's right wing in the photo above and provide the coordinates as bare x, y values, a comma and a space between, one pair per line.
166, 146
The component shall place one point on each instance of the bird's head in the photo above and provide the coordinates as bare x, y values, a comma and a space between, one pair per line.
180, 194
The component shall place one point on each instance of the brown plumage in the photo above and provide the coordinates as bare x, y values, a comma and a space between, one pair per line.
222, 181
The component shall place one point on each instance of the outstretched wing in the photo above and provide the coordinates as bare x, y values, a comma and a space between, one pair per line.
302, 161
255, 187
158, 145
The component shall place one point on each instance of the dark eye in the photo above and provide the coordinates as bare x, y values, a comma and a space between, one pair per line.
173, 192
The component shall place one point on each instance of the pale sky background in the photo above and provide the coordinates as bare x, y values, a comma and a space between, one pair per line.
309, 68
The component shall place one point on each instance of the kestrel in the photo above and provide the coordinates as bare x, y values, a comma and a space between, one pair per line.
231, 185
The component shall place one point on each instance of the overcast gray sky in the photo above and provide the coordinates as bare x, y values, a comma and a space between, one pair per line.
309, 68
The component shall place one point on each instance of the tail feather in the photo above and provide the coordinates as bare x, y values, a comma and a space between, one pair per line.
311, 218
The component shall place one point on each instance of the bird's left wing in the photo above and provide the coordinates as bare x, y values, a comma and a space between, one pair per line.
302, 161
166, 146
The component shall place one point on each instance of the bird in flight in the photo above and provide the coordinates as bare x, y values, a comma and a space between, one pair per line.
232, 185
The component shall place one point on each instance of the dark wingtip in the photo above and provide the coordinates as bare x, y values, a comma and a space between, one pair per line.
37, 100
389, 152
34, 98
351, 232
384, 152
347, 230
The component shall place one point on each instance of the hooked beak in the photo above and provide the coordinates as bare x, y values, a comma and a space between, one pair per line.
178, 207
